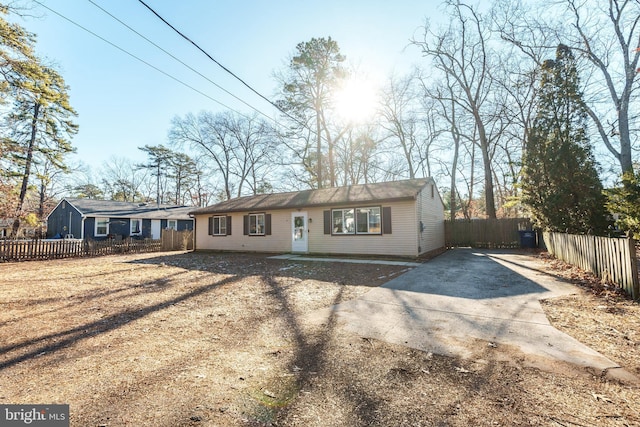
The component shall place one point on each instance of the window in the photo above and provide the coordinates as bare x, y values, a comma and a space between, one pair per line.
256, 224
136, 227
102, 227
368, 221
219, 225
172, 224
343, 221
354, 221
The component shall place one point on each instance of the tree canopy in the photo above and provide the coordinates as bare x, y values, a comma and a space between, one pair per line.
560, 183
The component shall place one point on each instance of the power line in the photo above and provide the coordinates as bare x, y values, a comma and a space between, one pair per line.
181, 62
220, 65
139, 59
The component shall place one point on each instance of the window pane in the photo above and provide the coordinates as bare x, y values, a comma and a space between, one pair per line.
135, 226
343, 221
375, 221
369, 220
223, 224
363, 221
256, 224
102, 225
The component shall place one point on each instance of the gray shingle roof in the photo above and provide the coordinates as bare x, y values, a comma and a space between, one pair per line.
353, 194
113, 209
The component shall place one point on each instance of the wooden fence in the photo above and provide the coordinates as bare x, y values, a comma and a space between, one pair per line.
27, 250
177, 240
611, 259
485, 233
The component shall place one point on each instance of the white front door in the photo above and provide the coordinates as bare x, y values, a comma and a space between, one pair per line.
155, 229
299, 242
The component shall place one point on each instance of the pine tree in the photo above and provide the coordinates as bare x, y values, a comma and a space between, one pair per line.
560, 182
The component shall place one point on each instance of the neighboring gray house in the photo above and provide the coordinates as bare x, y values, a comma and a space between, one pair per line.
401, 218
101, 219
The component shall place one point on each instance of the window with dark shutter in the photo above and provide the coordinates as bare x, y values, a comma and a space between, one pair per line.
386, 220
228, 226
210, 225
245, 225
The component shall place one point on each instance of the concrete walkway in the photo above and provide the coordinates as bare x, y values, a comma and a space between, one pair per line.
468, 303
295, 257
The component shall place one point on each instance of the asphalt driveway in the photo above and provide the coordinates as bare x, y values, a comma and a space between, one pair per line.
474, 304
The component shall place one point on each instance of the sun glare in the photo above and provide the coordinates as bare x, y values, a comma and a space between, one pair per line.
355, 101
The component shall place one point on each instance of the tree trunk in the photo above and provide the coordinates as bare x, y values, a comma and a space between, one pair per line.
27, 170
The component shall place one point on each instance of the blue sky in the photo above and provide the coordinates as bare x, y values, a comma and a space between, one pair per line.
124, 104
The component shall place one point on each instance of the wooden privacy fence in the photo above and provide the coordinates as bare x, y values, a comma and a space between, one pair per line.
26, 250
611, 259
485, 233
173, 240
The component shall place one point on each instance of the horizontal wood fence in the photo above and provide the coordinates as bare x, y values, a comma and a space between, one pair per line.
611, 259
27, 250
485, 233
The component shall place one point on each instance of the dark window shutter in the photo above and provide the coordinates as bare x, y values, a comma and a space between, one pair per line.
228, 226
267, 224
386, 220
210, 225
327, 222
245, 226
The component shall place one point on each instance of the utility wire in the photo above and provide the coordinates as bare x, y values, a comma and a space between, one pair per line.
139, 59
182, 62
222, 66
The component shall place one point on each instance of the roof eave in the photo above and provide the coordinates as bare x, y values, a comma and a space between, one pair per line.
206, 211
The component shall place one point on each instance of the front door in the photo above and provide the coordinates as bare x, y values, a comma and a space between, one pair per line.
155, 229
299, 242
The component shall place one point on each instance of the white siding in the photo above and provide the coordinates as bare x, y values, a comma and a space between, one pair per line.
401, 241
406, 239
278, 241
430, 210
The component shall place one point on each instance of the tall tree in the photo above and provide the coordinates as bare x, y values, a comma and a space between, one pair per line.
158, 162
235, 149
306, 89
560, 183
608, 35
123, 181
41, 123
463, 53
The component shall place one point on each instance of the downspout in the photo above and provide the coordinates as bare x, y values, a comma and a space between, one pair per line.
82, 227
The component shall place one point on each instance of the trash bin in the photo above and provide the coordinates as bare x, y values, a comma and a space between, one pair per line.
527, 239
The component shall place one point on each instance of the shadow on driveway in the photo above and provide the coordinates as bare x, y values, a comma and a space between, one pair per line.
466, 300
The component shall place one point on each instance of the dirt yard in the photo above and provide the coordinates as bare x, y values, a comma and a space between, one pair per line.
226, 340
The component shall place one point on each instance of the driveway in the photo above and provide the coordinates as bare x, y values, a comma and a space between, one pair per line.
474, 304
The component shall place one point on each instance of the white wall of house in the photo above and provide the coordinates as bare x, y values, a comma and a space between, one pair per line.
278, 241
430, 210
405, 239
401, 241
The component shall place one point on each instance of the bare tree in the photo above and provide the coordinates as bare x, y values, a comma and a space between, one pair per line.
123, 181
606, 34
462, 52
234, 148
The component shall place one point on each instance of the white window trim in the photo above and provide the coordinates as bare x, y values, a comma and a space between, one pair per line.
174, 221
219, 219
131, 229
264, 225
95, 227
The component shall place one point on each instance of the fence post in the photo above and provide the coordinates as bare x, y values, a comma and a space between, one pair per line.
635, 283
